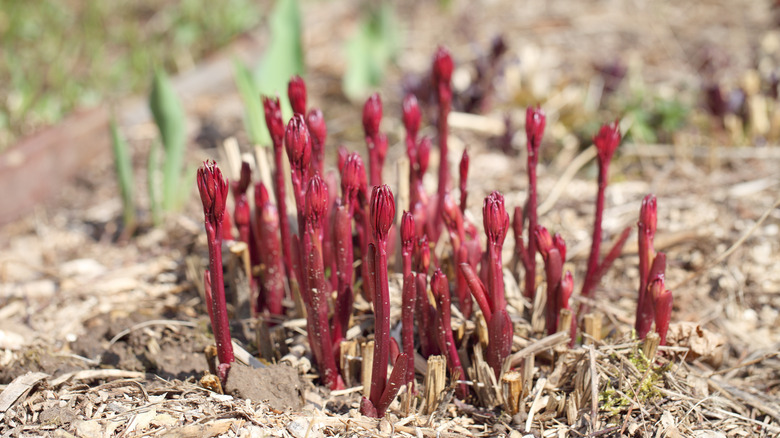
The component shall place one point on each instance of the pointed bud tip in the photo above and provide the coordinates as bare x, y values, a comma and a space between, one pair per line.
316, 124
382, 210
411, 114
648, 215
607, 141
495, 218
407, 230
298, 143
560, 245
353, 173
316, 199
442, 66
535, 121
296, 92
273, 117
372, 115
439, 284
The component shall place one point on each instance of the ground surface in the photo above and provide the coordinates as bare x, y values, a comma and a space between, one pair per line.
117, 327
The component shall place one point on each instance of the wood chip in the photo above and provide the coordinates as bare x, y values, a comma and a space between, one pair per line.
19, 388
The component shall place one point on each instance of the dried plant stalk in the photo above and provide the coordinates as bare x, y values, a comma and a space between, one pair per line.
512, 385
435, 378
367, 350
592, 328
650, 345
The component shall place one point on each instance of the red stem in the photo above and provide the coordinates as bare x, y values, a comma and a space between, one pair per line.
213, 192
500, 332
424, 311
553, 266
478, 290
409, 303
218, 304
281, 203
381, 322
397, 379
496, 276
446, 340
530, 210
590, 284
445, 100
271, 278
318, 307
342, 236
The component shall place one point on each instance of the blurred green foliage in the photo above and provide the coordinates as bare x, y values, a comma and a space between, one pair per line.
170, 120
124, 173
57, 55
282, 60
371, 49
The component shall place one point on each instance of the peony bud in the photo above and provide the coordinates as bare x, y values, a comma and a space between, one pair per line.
240, 187
296, 92
316, 124
261, 195
535, 121
464, 167
372, 115
439, 285
648, 215
316, 199
273, 119
424, 254
663, 302
567, 287
213, 190
411, 115
382, 211
298, 143
544, 241
607, 141
407, 231
560, 244
442, 67
495, 218
353, 174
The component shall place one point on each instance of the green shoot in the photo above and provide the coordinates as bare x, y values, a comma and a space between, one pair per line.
371, 50
169, 117
284, 57
124, 172
254, 119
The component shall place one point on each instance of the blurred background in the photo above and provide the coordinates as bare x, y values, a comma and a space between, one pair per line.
680, 77
669, 61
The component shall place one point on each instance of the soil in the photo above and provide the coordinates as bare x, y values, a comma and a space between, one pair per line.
117, 327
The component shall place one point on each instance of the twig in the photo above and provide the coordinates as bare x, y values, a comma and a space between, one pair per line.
97, 374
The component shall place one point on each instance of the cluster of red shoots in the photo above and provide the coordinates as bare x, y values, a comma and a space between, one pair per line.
329, 227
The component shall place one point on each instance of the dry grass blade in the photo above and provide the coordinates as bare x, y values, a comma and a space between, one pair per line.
97, 375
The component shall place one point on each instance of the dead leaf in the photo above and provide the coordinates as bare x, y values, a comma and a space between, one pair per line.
702, 343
